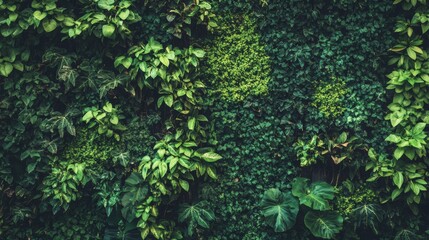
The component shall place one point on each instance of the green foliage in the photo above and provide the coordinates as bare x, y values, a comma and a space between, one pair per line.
180, 155
106, 119
349, 201
367, 215
323, 224
81, 222
338, 148
196, 215
237, 64
280, 209
58, 58
329, 96
135, 191
407, 113
305, 40
79, 164
316, 195
407, 179
138, 137
307, 153
262, 78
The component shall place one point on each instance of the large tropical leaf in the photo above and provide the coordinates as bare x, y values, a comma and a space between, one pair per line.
367, 215
279, 209
315, 196
134, 192
323, 224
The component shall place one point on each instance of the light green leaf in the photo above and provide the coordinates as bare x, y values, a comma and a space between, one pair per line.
162, 169
49, 25
191, 123
88, 116
169, 100
411, 53
398, 179
164, 60
5, 69
211, 157
184, 184
108, 30
419, 127
108, 107
106, 4
114, 120
398, 152
124, 14
39, 15
393, 138
199, 53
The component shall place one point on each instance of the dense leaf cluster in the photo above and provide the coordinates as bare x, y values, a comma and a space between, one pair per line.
308, 43
116, 113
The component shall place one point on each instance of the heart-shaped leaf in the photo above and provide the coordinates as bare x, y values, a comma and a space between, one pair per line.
323, 224
279, 209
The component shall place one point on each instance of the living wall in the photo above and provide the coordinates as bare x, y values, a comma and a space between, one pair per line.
192, 119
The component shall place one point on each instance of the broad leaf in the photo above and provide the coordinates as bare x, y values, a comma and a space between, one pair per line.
315, 196
279, 209
323, 224
211, 157
367, 215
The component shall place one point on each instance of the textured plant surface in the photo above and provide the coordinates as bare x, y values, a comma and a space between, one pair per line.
217, 120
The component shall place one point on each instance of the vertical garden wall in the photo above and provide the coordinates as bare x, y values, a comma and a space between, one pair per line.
191, 119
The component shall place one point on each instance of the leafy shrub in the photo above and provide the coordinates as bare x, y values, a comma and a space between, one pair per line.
196, 215
84, 222
81, 162
347, 203
237, 64
328, 97
138, 138
106, 119
281, 209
